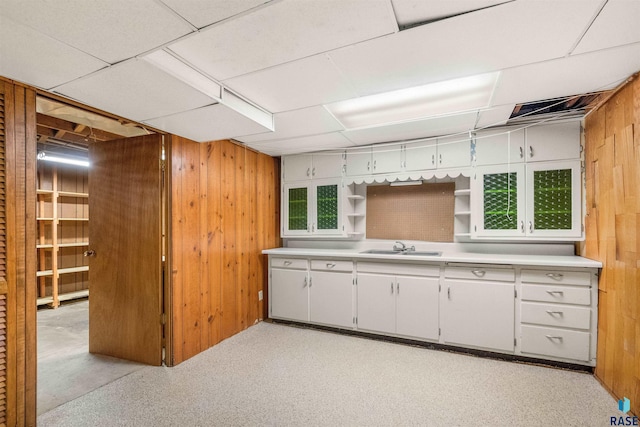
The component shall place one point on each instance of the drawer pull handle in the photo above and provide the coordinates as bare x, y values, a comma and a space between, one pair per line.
561, 293
331, 265
555, 276
287, 263
479, 273
553, 313
554, 337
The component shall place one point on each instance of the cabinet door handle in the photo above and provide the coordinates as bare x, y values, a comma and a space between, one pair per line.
530, 227
287, 262
368, 166
331, 265
433, 159
479, 273
531, 151
554, 337
555, 276
553, 313
522, 226
449, 293
305, 282
440, 158
521, 152
310, 281
374, 164
398, 288
313, 172
561, 293
313, 227
308, 171
391, 287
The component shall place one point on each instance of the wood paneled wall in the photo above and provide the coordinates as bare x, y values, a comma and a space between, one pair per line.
612, 143
224, 210
19, 122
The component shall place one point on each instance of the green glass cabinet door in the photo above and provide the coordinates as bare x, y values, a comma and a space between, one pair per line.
297, 209
553, 199
327, 207
500, 197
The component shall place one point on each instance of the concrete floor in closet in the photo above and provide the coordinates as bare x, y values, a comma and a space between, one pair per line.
66, 369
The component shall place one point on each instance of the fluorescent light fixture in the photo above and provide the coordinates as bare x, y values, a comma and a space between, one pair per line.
63, 159
405, 183
432, 100
183, 72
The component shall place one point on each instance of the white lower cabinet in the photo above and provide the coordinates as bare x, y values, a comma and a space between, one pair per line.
558, 313
289, 294
479, 312
398, 304
331, 293
553, 315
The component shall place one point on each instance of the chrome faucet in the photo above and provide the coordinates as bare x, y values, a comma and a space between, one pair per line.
401, 247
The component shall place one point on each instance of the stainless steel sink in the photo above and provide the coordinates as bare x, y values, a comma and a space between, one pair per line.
400, 253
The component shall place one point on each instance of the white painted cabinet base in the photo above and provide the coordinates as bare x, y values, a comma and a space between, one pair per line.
330, 299
289, 296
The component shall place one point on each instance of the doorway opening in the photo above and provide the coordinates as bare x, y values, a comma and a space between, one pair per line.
66, 369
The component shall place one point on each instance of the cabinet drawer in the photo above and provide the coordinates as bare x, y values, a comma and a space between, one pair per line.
556, 315
561, 294
399, 269
331, 265
555, 342
480, 273
581, 278
294, 263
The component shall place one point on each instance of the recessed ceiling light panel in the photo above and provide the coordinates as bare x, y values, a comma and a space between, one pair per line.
435, 99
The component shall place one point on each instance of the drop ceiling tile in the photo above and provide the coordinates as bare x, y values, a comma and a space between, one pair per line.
617, 24
437, 126
301, 145
574, 75
284, 31
411, 12
111, 30
307, 121
495, 116
136, 90
209, 123
307, 82
46, 63
512, 34
201, 13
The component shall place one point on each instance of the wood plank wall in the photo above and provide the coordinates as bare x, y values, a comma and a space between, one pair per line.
612, 144
224, 210
20, 201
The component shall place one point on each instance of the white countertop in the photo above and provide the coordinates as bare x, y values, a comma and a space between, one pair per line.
459, 257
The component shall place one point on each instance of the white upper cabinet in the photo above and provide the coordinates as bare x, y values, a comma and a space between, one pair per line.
327, 165
300, 167
560, 141
297, 168
359, 161
387, 158
420, 155
499, 146
454, 152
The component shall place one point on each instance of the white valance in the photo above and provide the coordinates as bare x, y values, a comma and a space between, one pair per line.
425, 175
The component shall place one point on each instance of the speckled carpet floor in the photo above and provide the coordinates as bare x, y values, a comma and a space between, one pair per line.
278, 375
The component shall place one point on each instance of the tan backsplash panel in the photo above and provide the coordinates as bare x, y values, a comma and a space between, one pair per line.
420, 212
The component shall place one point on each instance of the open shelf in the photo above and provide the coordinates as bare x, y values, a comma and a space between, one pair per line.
355, 197
463, 192
62, 214
64, 297
72, 194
